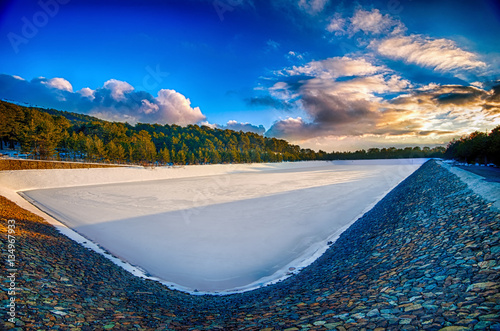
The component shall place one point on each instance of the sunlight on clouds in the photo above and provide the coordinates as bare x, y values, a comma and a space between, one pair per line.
118, 89
438, 54
335, 67
356, 106
374, 22
59, 83
342, 98
116, 100
368, 22
349, 99
176, 108
148, 107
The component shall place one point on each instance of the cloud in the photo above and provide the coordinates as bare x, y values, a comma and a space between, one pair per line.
338, 96
386, 36
245, 127
268, 101
292, 128
291, 55
272, 45
354, 97
374, 22
116, 100
367, 22
330, 111
441, 55
337, 24
59, 83
454, 99
359, 95
118, 89
334, 67
312, 7
174, 107
87, 92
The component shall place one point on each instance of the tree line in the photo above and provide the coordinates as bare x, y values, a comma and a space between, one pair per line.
49, 133
54, 134
478, 147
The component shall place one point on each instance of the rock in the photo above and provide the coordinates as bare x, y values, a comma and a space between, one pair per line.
58, 312
373, 313
331, 326
481, 286
495, 249
413, 307
342, 316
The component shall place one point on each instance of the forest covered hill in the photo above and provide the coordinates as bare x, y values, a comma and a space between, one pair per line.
54, 134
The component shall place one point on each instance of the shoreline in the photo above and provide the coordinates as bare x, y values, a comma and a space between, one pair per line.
425, 257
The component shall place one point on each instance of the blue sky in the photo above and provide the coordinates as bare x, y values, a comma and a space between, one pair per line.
328, 75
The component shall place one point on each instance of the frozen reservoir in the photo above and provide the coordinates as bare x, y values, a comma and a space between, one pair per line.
224, 228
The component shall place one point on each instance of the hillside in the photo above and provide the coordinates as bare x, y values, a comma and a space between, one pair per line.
54, 134
46, 133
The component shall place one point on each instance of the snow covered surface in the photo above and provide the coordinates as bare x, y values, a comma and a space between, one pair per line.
210, 229
489, 191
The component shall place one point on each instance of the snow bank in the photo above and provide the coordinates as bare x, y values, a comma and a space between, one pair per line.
218, 228
489, 191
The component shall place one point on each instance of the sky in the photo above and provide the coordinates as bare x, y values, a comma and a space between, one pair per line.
323, 74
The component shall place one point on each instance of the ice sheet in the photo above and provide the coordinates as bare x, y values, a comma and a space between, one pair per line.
224, 230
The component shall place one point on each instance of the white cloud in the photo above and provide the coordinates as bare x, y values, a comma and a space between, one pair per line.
245, 127
87, 92
374, 22
312, 6
337, 24
210, 125
176, 108
118, 88
335, 67
148, 107
368, 22
116, 100
442, 55
291, 55
59, 83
